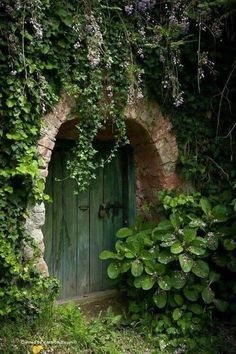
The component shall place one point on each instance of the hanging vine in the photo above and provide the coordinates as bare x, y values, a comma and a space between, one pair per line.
103, 53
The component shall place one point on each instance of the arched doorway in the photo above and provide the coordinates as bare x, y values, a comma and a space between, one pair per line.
79, 226
155, 154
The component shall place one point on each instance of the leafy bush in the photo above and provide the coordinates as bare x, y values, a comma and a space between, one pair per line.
177, 268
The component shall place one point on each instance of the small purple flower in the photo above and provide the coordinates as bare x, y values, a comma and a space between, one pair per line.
143, 5
129, 9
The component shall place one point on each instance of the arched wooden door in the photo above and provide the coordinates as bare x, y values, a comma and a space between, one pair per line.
75, 230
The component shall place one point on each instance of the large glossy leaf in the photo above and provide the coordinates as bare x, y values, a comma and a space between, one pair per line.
196, 222
125, 266
196, 309
113, 270
176, 248
175, 220
221, 305
138, 282
186, 262
190, 293
145, 255
164, 282
208, 295
189, 235
213, 276
147, 282
165, 257
176, 314
178, 279
160, 269
160, 299
199, 251
136, 268
124, 232
107, 255
212, 241
220, 213
200, 269
164, 236
164, 225
178, 299
205, 205
229, 245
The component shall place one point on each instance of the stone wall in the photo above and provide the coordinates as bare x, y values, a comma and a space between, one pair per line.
155, 154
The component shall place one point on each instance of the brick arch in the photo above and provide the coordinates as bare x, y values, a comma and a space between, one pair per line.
155, 155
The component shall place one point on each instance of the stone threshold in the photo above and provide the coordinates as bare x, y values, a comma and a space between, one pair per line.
95, 297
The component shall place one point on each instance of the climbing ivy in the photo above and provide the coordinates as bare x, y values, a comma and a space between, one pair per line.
106, 55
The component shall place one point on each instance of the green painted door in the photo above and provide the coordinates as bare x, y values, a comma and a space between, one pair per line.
75, 230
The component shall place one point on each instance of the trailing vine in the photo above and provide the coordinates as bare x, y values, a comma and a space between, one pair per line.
106, 54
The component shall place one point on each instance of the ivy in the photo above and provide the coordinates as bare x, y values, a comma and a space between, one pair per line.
107, 56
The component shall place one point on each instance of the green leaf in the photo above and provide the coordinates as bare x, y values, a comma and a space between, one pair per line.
213, 276
176, 248
138, 282
212, 241
107, 255
125, 266
165, 257
221, 305
229, 245
175, 221
136, 268
189, 235
145, 255
196, 309
10, 103
164, 282
160, 299
176, 314
205, 205
147, 282
190, 293
124, 232
186, 262
178, 299
113, 270
164, 225
196, 222
160, 269
208, 295
178, 279
199, 251
220, 213
200, 269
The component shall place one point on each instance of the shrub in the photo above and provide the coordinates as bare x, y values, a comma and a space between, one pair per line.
176, 269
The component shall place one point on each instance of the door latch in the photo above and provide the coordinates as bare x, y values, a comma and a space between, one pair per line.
102, 211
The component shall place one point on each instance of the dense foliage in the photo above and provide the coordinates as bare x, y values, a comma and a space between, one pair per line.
178, 272
106, 54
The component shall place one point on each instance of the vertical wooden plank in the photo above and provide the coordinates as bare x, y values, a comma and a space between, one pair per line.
82, 265
131, 187
96, 231
112, 194
48, 226
58, 220
69, 220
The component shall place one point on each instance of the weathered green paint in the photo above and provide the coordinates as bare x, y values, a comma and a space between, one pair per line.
74, 232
